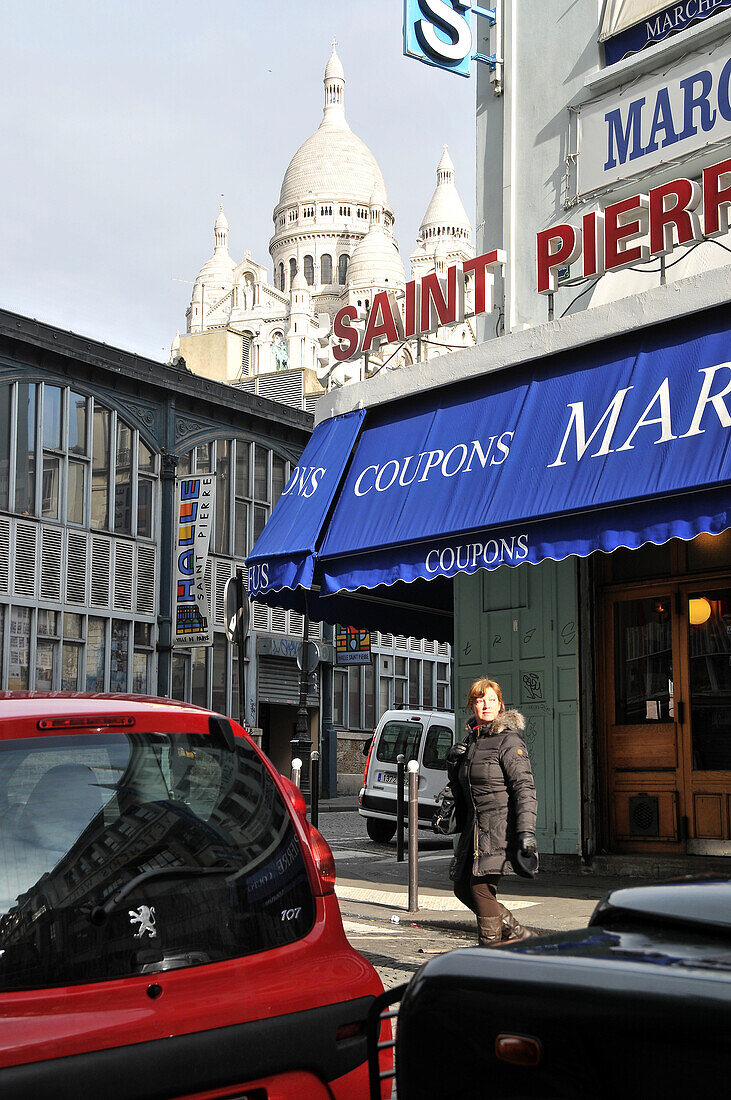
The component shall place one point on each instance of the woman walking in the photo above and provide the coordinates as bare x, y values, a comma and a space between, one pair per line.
495, 801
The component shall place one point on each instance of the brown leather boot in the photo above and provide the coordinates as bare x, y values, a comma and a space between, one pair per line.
489, 930
511, 928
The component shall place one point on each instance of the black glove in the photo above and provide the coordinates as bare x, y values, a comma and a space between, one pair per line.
527, 842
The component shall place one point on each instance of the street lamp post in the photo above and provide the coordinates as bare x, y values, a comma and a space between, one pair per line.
301, 745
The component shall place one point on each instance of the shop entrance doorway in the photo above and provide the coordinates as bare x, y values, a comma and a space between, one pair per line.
665, 707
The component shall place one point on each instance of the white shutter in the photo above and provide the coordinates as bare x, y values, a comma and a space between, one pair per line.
259, 616
209, 586
124, 553
296, 624
443, 649
415, 645
24, 574
4, 555
279, 620
76, 545
101, 561
401, 641
51, 563
387, 641
224, 570
145, 581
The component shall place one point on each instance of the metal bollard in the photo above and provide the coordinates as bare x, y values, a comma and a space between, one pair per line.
400, 776
296, 771
413, 770
314, 787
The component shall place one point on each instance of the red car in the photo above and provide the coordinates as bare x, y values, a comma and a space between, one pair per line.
168, 921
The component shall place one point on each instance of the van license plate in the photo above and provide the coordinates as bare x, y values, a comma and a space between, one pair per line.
387, 777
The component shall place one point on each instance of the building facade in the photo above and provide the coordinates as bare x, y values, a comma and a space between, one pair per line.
635, 100
568, 484
91, 441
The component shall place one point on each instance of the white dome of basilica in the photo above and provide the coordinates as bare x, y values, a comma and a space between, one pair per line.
219, 269
332, 163
376, 261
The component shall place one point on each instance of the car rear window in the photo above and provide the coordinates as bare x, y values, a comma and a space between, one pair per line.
129, 854
398, 737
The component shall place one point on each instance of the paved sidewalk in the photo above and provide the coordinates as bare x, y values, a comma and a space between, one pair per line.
549, 903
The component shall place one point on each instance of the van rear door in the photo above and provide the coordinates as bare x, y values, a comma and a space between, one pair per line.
436, 743
397, 736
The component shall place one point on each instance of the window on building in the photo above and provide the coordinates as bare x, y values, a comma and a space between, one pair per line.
19, 654
100, 467
47, 649
309, 265
384, 694
340, 695
355, 695
96, 648
326, 269
369, 700
123, 480
342, 269
218, 677
443, 699
119, 655
222, 518
146, 474
414, 686
52, 427
292, 270
4, 446
25, 451
180, 669
73, 636
427, 683
281, 276
402, 683
243, 497
199, 691
141, 658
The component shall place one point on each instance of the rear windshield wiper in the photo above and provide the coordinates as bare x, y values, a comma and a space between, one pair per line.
100, 913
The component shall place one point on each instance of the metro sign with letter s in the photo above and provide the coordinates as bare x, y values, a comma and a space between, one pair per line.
439, 32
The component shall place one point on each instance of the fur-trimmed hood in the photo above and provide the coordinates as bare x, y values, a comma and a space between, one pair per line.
506, 720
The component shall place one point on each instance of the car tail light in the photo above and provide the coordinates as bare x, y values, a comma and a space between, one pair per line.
324, 861
83, 721
368, 758
518, 1050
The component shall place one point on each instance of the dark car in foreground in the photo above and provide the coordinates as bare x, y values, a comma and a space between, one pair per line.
168, 921
637, 1005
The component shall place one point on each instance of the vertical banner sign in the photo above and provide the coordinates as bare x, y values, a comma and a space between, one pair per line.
192, 624
352, 646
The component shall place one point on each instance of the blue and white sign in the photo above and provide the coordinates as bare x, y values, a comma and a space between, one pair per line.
662, 118
441, 33
659, 25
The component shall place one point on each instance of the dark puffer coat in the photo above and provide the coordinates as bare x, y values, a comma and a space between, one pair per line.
495, 796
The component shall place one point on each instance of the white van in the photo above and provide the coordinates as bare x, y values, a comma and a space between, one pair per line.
422, 735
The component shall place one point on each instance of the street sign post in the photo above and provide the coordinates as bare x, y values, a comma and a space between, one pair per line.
236, 625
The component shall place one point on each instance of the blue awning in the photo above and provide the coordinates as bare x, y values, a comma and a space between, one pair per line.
283, 557
616, 444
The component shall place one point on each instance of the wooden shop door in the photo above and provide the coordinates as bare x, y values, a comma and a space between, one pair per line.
666, 703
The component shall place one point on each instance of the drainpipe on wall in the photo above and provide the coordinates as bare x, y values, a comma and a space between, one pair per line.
328, 736
169, 464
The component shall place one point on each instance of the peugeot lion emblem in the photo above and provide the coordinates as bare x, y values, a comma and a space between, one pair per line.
145, 918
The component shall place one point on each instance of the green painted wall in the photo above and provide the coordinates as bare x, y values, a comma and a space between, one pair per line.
519, 626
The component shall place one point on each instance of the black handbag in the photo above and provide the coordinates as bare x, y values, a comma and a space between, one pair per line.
444, 820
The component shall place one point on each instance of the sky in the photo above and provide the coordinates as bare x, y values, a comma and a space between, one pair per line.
123, 125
